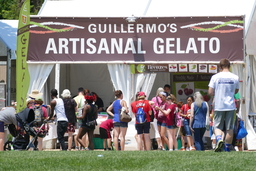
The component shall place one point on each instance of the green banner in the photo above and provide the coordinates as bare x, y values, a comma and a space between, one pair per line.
22, 74
148, 68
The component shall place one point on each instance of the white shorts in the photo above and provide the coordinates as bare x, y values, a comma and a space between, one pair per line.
157, 135
76, 132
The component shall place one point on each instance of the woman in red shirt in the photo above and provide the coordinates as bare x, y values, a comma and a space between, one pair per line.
170, 122
185, 113
169, 112
161, 119
142, 128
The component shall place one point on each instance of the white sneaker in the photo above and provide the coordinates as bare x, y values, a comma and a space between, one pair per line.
192, 149
187, 149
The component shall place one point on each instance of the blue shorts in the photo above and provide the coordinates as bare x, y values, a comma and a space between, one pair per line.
143, 128
186, 127
161, 124
1, 126
170, 127
121, 124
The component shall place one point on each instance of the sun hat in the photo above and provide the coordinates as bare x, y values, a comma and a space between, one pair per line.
35, 93
39, 98
163, 93
66, 93
28, 100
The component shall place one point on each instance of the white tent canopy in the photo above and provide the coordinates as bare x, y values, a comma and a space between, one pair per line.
156, 8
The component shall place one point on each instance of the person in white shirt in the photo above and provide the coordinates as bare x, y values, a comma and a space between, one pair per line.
57, 105
223, 86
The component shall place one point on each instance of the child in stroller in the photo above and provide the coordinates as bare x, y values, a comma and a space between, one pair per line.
21, 121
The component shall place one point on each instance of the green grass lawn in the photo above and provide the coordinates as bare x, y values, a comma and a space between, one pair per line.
126, 160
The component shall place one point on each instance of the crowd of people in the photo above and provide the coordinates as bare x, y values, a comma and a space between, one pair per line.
170, 119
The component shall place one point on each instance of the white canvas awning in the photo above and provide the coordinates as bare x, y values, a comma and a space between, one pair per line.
8, 35
155, 8
250, 34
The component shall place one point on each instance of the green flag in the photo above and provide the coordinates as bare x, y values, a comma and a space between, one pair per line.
22, 74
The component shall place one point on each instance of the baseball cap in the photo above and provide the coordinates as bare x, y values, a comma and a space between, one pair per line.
141, 94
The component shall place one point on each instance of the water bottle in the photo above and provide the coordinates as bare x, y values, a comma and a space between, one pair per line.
12, 149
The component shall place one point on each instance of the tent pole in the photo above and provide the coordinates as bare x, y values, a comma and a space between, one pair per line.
57, 77
146, 10
9, 65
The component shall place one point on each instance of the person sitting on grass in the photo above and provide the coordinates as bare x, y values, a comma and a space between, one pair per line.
105, 128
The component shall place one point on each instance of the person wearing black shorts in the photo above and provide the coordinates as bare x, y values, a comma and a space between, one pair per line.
105, 128
142, 128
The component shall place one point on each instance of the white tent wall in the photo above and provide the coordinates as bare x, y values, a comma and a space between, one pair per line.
250, 34
104, 80
249, 111
94, 77
121, 79
38, 76
161, 79
144, 82
250, 76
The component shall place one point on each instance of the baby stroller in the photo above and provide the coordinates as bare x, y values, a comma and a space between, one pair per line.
20, 140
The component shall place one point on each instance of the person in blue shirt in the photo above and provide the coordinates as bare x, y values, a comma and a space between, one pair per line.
199, 112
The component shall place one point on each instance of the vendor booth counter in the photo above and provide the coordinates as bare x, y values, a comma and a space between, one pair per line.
51, 142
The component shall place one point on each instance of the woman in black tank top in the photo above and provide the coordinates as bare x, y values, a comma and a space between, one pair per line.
88, 117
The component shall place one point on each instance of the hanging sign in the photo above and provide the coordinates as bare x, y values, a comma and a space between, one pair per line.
149, 39
142, 68
175, 68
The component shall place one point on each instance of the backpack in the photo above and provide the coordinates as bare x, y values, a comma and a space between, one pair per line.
177, 118
152, 116
38, 115
141, 116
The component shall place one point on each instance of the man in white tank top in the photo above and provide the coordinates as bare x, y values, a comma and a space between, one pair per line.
57, 105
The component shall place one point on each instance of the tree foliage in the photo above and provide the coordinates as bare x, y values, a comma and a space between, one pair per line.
10, 9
